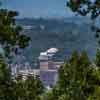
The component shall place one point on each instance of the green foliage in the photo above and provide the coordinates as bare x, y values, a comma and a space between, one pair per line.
96, 95
30, 89
4, 70
11, 40
72, 76
83, 7
97, 61
75, 4
91, 88
10, 33
87, 7
6, 85
78, 80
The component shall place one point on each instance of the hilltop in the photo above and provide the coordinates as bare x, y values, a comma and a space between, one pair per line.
67, 34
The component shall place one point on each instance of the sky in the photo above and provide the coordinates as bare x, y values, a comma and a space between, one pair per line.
39, 8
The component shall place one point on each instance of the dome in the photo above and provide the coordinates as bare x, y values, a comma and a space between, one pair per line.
52, 50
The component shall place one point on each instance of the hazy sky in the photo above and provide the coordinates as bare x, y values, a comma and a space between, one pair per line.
39, 8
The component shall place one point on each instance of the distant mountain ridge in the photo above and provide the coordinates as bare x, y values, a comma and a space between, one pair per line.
66, 34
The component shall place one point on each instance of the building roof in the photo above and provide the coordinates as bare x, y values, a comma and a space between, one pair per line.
52, 50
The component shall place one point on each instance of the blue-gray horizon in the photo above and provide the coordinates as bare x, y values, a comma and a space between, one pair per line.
39, 8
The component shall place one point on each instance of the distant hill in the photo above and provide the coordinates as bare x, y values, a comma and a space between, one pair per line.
67, 34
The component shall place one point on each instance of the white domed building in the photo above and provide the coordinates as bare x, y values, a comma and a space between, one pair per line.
45, 58
52, 51
48, 67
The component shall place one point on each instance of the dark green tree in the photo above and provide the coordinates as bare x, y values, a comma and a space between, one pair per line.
90, 8
97, 61
29, 89
6, 83
78, 79
11, 40
87, 8
10, 33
